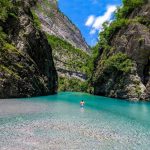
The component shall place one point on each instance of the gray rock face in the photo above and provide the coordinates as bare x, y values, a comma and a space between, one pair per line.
54, 22
70, 51
133, 40
26, 64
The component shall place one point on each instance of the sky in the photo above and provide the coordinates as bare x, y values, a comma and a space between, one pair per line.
89, 15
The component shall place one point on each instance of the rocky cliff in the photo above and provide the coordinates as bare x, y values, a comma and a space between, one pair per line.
70, 51
54, 22
26, 63
122, 69
72, 65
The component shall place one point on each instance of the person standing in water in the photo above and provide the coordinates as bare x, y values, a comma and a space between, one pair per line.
82, 104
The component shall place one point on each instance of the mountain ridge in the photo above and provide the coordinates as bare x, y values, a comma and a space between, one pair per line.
70, 51
54, 22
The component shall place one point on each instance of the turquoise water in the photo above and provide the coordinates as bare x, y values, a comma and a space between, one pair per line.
57, 122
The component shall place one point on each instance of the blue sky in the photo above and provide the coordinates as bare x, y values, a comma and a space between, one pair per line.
88, 15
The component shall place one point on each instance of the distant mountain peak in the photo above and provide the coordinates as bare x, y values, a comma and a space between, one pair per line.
54, 22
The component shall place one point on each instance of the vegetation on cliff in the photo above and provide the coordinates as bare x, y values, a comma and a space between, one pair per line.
74, 65
76, 60
36, 20
121, 20
73, 84
122, 53
109, 30
23, 51
71, 61
119, 61
5, 7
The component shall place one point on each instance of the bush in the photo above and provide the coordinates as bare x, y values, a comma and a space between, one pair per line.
76, 59
120, 62
2, 36
5, 7
36, 20
128, 7
119, 22
95, 51
72, 84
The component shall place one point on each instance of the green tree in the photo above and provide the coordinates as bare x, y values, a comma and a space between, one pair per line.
5, 7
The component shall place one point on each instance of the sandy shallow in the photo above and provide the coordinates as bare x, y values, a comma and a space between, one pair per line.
62, 125
12, 107
58, 134
54, 134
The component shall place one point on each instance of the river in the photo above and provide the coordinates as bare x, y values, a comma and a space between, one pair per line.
58, 123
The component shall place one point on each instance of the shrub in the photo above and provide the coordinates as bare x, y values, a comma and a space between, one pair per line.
2, 36
111, 29
128, 7
36, 20
77, 59
120, 21
72, 84
119, 61
5, 7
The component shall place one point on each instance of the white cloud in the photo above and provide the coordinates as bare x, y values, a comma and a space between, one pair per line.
106, 17
97, 22
90, 20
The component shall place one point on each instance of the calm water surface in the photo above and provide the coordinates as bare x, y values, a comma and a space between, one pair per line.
57, 122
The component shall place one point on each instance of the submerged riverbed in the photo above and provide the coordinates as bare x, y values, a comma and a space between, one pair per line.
57, 122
